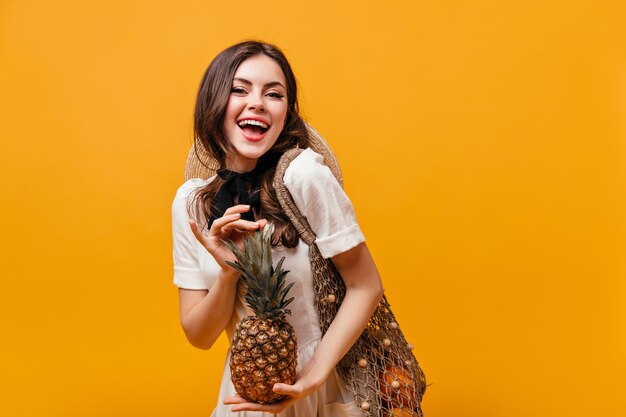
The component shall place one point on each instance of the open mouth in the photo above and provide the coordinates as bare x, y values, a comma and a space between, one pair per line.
253, 128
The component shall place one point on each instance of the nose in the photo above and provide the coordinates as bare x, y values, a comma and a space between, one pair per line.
256, 103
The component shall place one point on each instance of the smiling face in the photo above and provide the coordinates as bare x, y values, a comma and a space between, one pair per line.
256, 111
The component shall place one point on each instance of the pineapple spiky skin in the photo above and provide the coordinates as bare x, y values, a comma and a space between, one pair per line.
263, 353
263, 348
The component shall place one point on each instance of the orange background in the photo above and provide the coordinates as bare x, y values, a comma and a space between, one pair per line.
482, 143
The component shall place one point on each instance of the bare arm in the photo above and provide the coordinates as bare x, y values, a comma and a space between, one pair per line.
204, 314
363, 292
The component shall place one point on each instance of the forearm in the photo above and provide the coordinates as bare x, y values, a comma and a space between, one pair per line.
205, 321
354, 313
363, 293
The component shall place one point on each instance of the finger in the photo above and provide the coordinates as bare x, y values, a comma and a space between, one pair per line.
195, 229
274, 408
262, 223
222, 221
241, 226
235, 400
291, 390
239, 208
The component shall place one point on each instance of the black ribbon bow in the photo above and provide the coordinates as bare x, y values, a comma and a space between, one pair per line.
241, 188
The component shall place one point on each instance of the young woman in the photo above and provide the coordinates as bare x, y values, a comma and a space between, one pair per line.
246, 117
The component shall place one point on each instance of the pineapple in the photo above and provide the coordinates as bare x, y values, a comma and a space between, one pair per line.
263, 349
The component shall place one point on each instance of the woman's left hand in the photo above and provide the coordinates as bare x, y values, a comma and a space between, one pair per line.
294, 393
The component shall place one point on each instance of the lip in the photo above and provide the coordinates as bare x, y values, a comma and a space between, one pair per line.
256, 118
253, 138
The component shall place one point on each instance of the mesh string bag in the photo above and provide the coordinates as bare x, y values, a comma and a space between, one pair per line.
380, 369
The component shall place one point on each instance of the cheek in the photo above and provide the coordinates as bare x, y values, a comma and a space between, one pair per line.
234, 107
230, 112
281, 114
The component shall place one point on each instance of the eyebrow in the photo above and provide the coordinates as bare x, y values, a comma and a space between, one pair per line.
270, 84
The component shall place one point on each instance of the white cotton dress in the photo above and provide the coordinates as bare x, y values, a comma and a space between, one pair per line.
323, 202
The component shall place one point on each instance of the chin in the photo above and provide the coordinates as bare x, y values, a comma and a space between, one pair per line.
251, 156
251, 151
255, 150
247, 158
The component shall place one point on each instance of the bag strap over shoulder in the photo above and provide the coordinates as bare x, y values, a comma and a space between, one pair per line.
327, 284
286, 201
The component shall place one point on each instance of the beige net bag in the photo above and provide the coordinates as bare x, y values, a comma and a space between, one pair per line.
380, 369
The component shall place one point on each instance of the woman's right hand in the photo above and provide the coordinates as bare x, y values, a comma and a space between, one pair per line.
228, 227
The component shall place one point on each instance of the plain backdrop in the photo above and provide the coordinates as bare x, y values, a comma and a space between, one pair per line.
482, 145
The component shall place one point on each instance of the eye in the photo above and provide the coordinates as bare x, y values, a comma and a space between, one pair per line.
275, 94
237, 90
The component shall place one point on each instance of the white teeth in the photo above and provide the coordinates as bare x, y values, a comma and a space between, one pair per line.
242, 123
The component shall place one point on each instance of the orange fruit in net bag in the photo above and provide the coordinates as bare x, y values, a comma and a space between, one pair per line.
400, 412
397, 388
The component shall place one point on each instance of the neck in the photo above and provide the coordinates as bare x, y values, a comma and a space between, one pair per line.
240, 165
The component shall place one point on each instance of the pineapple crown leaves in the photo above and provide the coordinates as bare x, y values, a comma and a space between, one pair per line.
266, 287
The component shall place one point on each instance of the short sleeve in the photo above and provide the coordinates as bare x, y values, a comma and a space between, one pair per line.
320, 198
187, 251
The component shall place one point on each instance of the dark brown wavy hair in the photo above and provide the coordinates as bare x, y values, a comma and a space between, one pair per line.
213, 95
